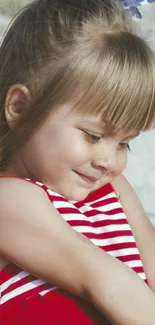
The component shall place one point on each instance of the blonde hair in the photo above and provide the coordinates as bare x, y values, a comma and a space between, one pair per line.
86, 52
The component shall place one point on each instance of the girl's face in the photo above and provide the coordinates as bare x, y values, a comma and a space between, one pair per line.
73, 154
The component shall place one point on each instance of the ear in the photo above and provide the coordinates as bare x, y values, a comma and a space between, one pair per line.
17, 100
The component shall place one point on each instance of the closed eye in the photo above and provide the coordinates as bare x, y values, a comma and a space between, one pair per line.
124, 145
91, 138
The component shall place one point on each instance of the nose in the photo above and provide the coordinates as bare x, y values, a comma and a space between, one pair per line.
108, 164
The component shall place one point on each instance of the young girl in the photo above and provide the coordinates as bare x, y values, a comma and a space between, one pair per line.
76, 85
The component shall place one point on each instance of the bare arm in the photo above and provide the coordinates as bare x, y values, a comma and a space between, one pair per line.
35, 237
141, 226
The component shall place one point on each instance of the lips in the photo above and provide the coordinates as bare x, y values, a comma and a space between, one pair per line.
89, 179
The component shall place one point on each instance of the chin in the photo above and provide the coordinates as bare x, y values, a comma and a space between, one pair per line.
78, 195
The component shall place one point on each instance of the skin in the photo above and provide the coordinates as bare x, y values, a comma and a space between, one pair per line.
67, 145
81, 145
100, 280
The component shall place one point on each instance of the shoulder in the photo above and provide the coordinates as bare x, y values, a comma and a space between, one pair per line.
25, 212
11, 187
20, 198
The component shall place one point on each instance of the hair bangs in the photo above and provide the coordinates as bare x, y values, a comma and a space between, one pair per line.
117, 81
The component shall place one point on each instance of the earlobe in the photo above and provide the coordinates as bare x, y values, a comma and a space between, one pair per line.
17, 100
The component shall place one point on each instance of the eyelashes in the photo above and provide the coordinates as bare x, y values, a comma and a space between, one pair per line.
93, 139
124, 145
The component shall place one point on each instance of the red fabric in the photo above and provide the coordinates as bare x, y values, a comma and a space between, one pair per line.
53, 309
99, 217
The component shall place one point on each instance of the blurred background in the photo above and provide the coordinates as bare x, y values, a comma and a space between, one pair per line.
140, 170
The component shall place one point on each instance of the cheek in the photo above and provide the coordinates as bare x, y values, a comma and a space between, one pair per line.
75, 149
77, 153
122, 161
67, 144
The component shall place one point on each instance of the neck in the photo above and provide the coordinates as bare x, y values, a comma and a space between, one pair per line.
16, 168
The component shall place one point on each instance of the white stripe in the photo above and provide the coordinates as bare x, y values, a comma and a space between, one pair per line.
59, 204
38, 183
100, 230
116, 216
87, 208
63, 204
109, 207
43, 293
104, 208
13, 280
24, 288
142, 275
74, 216
136, 263
124, 252
96, 218
50, 192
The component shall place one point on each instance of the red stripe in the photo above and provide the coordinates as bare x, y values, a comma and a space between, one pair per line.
116, 246
128, 258
68, 210
109, 235
96, 224
138, 269
9, 271
95, 212
107, 201
113, 212
19, 283
89, 213
114, 234
100, 202
29, 293
56, 198
104, 202
101, 192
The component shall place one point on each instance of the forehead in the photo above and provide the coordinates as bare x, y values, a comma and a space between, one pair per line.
68, 115
97, 123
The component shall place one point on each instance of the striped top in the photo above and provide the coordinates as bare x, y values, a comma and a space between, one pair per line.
99, 217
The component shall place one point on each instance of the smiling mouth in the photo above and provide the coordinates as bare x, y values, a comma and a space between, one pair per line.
88, 179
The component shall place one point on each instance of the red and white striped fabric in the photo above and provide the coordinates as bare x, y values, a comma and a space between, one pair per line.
99, 217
